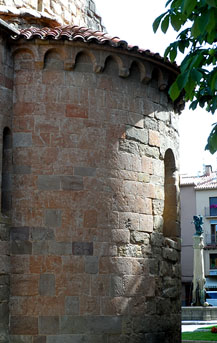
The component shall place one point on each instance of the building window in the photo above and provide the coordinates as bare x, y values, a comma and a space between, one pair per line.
213, 261
213, 206
213, 233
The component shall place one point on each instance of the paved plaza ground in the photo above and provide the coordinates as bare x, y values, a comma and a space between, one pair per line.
190, 326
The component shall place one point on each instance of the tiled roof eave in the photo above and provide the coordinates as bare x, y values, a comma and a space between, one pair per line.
85, 35
205, 188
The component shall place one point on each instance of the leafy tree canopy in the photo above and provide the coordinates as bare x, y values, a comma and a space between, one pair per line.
196, 24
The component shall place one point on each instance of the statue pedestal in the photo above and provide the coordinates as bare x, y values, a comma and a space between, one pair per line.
202, 313
198, 294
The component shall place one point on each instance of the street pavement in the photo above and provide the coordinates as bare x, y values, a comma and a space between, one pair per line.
189, 326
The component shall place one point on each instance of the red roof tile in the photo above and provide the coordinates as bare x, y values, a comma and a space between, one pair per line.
200, 182
73, 33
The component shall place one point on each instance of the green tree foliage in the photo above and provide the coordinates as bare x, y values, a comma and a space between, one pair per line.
196, 24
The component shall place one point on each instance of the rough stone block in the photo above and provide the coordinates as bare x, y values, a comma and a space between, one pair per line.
4, 280
171, 292
4, 293
4, 336
90, 324
117, 286
72, 305
84, 171
135, 119
139, 237
48, 325
24, 285
40, 248
143, 205
154, 138
48, 182
22, 139
142, 177
170, 254
89, 305
129, 146
19, 233
21, 247
100, 285
22, 169
91, 264
162, 116
151, 123
4, 233
41, 233
139, 285
154, 337
4, 315
172, 244
90, 218
47, 285
53, 218
4, 248
152, 152
59, 248
4, 264
128, 220
158, 207
39, 339
153, 266
158, 223
120, 236
82, 248
137, 134
67, 339
72, 183
24, 325
76, 111
121, 266
145, 223
105, 324
156, 239
19, 264
72, 324
20, 339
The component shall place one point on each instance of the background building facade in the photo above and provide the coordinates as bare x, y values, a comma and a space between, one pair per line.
198, 197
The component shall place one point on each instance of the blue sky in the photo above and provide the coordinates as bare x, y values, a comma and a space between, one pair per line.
132, 21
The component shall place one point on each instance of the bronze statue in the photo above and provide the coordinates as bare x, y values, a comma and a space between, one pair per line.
198, 222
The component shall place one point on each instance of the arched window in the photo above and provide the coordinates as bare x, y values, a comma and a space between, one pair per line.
171, 226
6, 171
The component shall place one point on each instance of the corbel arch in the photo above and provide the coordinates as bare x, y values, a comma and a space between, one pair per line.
113, 65
54, 59
140, 68
84, 60
23, 58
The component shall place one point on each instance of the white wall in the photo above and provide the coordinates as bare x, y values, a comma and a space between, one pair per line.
202, 202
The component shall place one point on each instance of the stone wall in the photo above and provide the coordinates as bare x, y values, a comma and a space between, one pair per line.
90, 260
23, 13
6, 87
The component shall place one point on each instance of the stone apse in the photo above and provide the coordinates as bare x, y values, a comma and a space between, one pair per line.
90, 236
